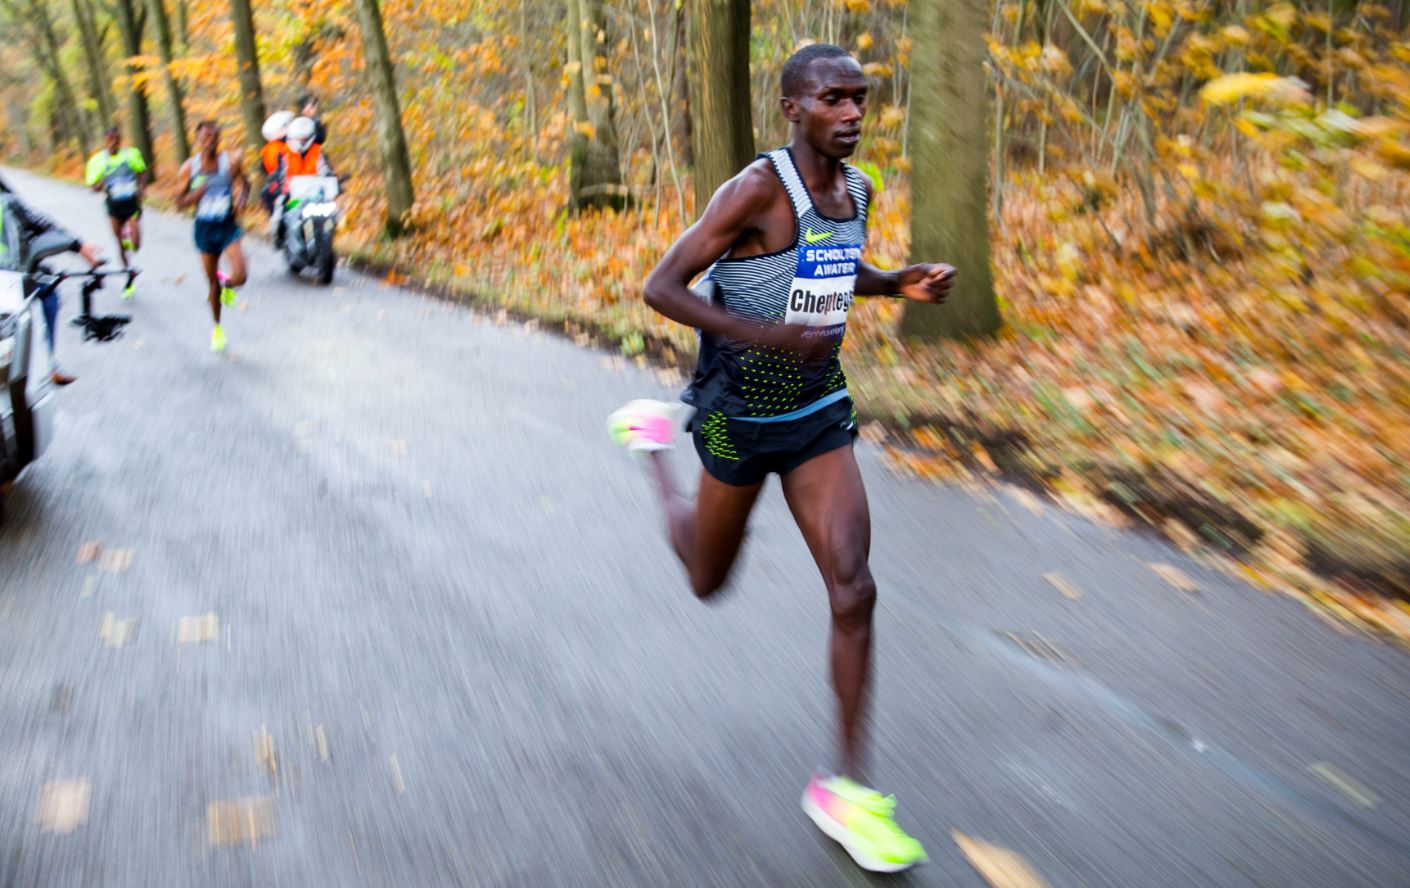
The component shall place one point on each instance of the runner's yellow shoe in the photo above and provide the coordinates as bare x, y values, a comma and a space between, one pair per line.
863, 822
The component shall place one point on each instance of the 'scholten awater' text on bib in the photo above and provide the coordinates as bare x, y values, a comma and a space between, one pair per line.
823, 287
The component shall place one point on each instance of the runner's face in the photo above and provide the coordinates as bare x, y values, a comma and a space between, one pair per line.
110, 141
208, 139
830, 111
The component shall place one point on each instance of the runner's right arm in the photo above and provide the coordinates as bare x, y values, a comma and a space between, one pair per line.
188, 197
736, 210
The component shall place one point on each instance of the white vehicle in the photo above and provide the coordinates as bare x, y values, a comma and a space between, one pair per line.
309, 219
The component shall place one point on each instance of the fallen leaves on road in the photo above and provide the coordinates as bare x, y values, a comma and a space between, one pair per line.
264, 750
1345, 784
117, 631
63, 805
194, 630
1060, 583
999, 866
1174, 576
396, 774
115, 560
88, 551
242, 820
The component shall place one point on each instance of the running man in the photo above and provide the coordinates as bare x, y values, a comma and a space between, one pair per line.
781, 244
122, 174
209, 182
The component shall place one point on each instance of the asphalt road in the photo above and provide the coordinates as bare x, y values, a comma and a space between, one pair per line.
450, 645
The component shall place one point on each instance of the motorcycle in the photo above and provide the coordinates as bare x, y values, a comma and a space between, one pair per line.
309, 219
26, 395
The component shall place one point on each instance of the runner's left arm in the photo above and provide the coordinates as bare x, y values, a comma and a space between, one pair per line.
238, 177
924, 282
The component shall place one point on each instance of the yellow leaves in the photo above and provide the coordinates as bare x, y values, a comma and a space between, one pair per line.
1235, 35
63, 805
878, 69
865, 41
1054, 61
1069, 261
999, 866
1233, 87
892, 116
1161, 16
857, 7
584, 129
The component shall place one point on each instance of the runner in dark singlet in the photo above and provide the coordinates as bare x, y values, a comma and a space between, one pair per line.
214, 182
121, 174
781, 246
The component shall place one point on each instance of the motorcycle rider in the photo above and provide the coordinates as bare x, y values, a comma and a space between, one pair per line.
272, 158
19, 226
304, 157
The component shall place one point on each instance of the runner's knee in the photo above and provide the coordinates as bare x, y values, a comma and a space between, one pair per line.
853, 597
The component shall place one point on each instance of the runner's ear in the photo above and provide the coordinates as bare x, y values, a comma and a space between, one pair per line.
791, 111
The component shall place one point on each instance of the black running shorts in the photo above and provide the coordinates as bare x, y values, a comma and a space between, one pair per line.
742, 453
122, 210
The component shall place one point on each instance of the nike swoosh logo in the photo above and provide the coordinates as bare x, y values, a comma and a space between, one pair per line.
815, 237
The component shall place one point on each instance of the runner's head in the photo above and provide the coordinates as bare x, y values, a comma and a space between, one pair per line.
112, 138
308, 105
207, 137
824, 96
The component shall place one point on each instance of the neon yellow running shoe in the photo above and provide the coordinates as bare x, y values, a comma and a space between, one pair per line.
129, 291
127, 245
228, 296
217, 339
863, 822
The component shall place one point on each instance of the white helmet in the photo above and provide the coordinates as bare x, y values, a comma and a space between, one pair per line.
300, 135
277, 124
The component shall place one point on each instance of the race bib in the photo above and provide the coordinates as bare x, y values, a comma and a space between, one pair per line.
122, 189
213, 208
823, 287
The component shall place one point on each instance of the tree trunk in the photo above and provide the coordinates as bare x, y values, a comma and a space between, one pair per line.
49, 57
156, 10
139, 118
594, 174
721, 125
98, 81
949, 157
183, 26
396, 165
247, 57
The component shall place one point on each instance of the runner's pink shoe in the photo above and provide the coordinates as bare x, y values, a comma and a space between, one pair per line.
643, 426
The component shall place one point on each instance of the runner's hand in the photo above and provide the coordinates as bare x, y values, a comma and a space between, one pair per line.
926, 282
92, 253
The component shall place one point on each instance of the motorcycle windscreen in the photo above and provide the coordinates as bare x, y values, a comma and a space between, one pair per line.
313, 187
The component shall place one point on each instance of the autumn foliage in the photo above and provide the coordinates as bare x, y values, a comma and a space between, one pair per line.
1199, 235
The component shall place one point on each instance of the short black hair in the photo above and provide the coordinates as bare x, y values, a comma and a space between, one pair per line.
307, 99
207, 124
796, 77
112, 131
